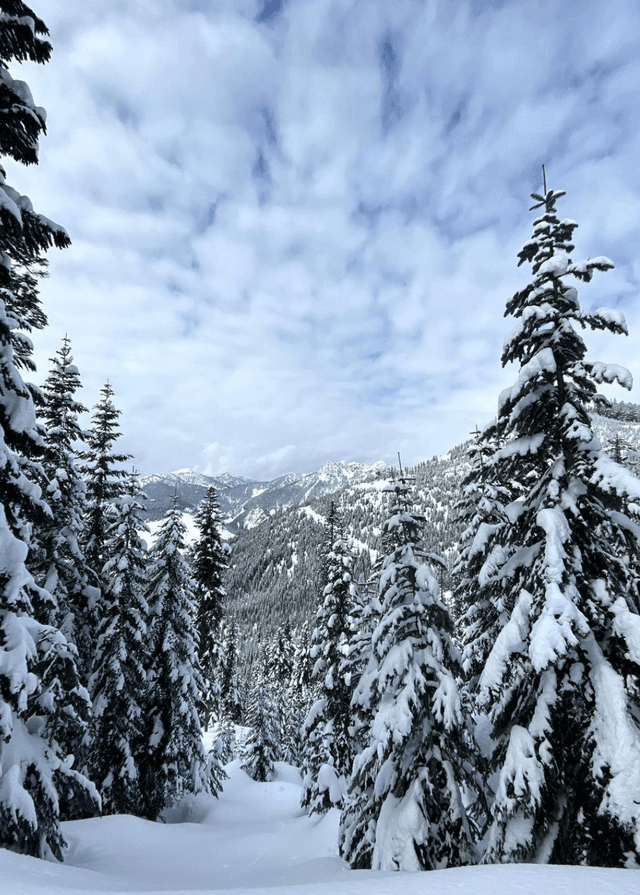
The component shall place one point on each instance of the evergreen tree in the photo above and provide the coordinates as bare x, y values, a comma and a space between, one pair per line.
405, 810
560, 682
224, 744
279, 662
262, 746
481, 511
119, 682
104, 476
176, 763
230, 694
300, 697
40, 696
327, 730
208, 564
62, 564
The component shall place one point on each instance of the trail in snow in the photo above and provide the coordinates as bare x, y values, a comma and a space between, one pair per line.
256, 837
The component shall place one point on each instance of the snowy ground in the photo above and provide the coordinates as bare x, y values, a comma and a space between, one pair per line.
255, 837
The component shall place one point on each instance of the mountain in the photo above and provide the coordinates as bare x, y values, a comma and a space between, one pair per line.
278, 527
275, 563
275, 571
245, 503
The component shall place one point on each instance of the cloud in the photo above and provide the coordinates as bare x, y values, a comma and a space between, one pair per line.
295, 225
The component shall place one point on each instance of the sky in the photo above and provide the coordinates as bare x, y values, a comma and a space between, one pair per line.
295, 223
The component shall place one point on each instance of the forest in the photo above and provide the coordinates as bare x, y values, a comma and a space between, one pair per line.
465, 692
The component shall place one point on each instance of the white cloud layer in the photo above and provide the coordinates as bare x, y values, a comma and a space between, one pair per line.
295, 222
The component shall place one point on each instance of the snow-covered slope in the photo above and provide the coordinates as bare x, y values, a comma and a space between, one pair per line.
255, 838
244, 502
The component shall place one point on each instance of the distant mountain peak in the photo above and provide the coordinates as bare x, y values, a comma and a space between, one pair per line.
245, 501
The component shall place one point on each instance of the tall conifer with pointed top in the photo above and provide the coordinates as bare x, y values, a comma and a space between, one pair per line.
263, 744
119, 682
175, 763
63, 566
404, 809
209, 562
560, 680
329, 742
104, 476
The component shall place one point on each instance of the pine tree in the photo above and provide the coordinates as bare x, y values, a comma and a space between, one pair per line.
481, 511
230, 694
262, 746
330, 745
119, 682
405, 810
280, 657
40, 696
104, 476
560, 681
62, 565
208, 564
300, 697
176, 763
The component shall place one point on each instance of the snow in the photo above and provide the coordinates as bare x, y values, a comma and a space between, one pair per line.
612, 317
555, 266
611, 373
617, 740
627, 626
256, 839
541, 364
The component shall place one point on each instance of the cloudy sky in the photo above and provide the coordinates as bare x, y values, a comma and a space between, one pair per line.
295, 222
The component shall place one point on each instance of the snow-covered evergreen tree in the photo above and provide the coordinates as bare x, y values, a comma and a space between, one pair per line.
208, 564
279, 660
481, 510
175, 763
405, 809
560, 682
62, 565
119, 682
40, 695
104, 476
300, 696
262, 746
329, 742
230, 694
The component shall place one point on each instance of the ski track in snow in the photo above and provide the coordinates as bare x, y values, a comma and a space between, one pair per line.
256, 837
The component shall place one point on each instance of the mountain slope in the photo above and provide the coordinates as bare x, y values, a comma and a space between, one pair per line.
245, 502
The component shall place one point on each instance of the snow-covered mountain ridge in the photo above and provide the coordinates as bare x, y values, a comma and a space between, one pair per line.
245, 503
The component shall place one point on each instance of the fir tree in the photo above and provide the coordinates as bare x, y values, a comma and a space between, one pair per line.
208, 564
224, 744
279, 662
230, 694
560, 681
119, 683
104, 476
300, 697
176, 763
62, 565
404, 810
327, 730
40, 696
481, 511
262, 746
